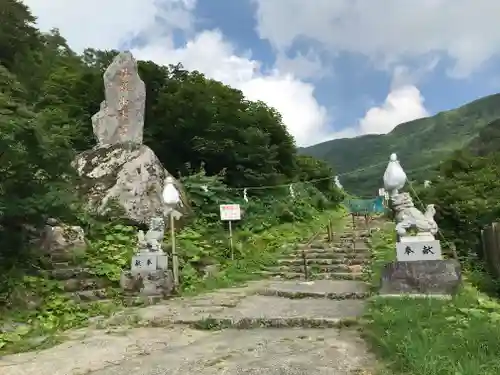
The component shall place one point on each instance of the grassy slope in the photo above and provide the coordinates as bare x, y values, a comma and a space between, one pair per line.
420, 144
433, 337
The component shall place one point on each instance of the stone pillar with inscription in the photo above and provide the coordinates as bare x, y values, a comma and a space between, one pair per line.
149, 275
121, 115
419, 269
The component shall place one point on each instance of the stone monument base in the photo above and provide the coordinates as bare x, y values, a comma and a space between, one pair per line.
422, 278
148, 283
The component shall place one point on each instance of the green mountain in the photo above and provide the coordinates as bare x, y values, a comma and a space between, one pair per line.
420, 145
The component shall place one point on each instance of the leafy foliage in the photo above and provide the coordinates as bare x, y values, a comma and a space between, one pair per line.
467, 198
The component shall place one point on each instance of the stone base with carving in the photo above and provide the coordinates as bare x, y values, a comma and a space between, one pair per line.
149, 283
424, 278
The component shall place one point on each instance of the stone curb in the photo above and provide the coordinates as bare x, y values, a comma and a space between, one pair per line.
302, 295
210, 323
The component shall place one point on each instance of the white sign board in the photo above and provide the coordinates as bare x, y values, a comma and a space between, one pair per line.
418, 250
144, 262
230, 212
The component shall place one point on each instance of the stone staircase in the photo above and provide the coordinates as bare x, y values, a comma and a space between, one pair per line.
341, 259
77, 282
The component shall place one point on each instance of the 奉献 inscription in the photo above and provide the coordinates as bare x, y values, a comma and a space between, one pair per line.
418, 250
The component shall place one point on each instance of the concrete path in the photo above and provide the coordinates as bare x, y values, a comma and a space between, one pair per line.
195, 335
272, 327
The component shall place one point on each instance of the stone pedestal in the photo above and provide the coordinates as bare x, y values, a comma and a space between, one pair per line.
149, 284
421, 278
149, 275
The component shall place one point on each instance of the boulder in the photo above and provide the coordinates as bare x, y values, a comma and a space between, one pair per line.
125, 179
63, 243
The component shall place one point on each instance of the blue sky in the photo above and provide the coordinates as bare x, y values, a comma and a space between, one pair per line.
333, 68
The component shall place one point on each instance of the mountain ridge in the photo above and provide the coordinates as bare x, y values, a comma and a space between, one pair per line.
420, 144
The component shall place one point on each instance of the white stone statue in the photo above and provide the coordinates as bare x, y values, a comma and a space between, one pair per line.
394, 176
141, 241
409, 217
154, 236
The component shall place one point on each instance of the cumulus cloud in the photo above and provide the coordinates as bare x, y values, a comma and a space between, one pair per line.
401, 105
211, 54
303, 65
207, 52
388, 32
105, 24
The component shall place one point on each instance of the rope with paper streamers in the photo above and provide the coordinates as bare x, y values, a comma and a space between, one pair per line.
263, 187
291, 186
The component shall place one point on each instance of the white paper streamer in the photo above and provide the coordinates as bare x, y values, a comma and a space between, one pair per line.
292, 193
337, 182
245, 197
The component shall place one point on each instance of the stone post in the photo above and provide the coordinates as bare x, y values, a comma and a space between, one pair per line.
149, 275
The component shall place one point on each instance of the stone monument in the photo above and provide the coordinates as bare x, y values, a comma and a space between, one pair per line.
121, 116
149, 275
121, 172
420, 269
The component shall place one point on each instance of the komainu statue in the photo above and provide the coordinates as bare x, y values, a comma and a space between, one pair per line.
409, 217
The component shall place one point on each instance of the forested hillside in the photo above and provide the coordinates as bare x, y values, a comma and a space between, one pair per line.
204, 132
421, 145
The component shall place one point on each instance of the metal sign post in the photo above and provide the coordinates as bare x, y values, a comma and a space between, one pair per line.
230, 213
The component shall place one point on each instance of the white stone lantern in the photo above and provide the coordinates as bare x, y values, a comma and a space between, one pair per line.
172, 198
394, 176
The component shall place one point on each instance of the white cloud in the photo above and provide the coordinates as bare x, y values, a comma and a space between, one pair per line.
208, 52
212, 55
403, 104
105, 24
304, 66
390, 31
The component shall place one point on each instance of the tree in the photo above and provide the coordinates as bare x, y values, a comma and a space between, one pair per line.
35, 171
467, 198
18, 35
195, 120
310, 168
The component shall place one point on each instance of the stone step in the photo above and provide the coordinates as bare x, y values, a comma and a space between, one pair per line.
298, 261
331, 254
70, 272
315, 276
254, 312
89, 295
62, 257
329, 289
75, 285
62, 265
335, 244
313, 268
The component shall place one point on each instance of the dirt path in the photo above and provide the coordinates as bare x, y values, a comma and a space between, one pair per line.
287, 327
